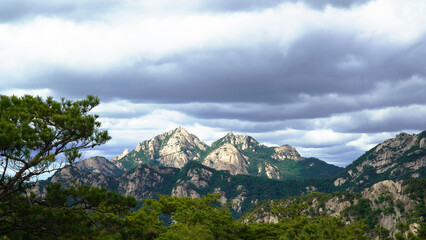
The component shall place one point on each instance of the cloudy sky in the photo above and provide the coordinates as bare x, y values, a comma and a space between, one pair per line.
332, 78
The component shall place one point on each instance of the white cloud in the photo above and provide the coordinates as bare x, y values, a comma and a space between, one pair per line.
21, 92
123, 39
391, 20
205, 133
366, 142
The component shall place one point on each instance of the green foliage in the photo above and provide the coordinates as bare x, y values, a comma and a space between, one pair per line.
254, 188
304, 228
382, 233
129, 161
291, 211
64, 213
35, 131
181, 231
189, 213
416, 190
382, 199
143, 223
84, 212
363, 211
260, 156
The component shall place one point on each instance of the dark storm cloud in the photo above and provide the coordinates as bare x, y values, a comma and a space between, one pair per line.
319, 75
264, 88
402, 93
392, 119
358, 122
12, 10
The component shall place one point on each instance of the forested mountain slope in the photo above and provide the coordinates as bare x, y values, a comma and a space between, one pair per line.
399, 158
387, 207
194, 180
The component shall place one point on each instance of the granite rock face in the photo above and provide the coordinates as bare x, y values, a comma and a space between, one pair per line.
227, 157
242, 142
287, 152
145, 181
180, 148
99, 165
394, 193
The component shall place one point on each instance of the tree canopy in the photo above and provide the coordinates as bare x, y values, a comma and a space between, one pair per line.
35, 131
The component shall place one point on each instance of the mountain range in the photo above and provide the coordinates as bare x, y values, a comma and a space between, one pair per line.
241, 169
238, 154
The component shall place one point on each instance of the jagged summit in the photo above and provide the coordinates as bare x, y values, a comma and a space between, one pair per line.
238, 154
242, 142
172, 149
180, 129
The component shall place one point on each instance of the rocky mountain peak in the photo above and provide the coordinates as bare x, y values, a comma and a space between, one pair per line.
286, 152
399, 158
179, 148
242, 142
227, 157
181, 137
181, 131
171, 149
401, 142
230, 134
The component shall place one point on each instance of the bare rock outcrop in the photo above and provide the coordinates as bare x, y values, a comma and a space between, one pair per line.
242, 142
272, 171
176, 152
287, 152
183, 191
144, 181
170, 149
98, 165
392, 192
229, 158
